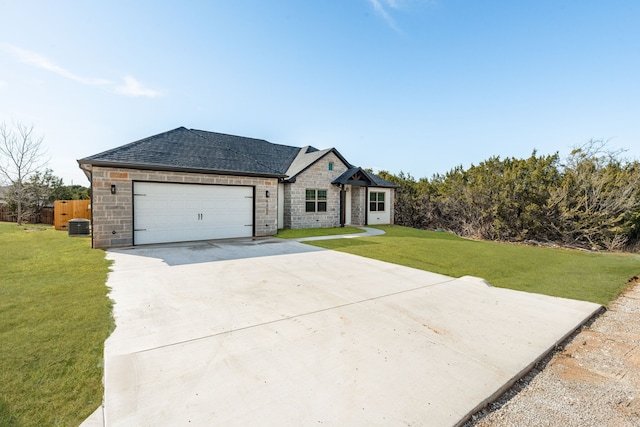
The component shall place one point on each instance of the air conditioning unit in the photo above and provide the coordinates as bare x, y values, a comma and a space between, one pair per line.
79, 227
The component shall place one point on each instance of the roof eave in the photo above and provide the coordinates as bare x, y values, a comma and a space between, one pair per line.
371, 179
165, 168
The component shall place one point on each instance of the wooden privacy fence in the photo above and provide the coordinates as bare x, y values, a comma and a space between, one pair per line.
45, 216
64, 210
6, 214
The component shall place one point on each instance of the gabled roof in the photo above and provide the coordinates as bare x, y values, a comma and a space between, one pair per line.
195, 150
308, 156
360, 177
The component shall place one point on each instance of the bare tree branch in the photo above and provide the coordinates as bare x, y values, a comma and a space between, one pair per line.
21, 155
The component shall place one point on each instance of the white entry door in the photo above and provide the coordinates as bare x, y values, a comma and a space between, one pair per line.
379, 206
164, 212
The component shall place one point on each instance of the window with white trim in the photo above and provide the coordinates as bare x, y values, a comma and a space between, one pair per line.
376, 201
315, 200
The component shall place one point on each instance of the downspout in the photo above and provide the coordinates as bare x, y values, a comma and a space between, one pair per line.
91, 204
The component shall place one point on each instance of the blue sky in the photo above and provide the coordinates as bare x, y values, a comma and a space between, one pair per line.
419, 86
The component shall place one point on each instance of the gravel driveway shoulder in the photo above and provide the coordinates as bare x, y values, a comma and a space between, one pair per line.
593, 380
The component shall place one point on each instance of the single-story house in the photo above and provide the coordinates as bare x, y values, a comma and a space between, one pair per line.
186, 185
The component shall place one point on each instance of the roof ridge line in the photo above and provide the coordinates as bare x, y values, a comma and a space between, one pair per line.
244, 137
195, 132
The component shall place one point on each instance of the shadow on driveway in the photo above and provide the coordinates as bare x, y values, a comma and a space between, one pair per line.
275, 332
217, 250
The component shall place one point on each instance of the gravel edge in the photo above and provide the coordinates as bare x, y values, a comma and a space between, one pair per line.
591, 378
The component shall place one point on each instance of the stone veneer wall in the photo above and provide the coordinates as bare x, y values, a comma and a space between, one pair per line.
318, 176
286, 193
358, 205
112, 214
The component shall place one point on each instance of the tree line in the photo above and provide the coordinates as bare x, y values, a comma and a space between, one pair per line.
27, 185
590, 199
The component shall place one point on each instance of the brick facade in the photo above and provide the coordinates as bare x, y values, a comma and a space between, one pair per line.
113, 213
316, 177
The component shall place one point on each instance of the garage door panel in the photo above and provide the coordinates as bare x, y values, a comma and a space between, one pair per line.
166, 212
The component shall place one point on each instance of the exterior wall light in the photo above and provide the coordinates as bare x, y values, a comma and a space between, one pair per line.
267, 193
113, 189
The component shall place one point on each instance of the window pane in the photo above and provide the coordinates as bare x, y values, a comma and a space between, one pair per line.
311, 195
372, 197
372, 206
381, 197
381, 206
322, 206
310, 207
322, 194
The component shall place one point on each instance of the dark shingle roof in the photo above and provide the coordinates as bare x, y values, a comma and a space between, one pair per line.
273, 156
185, 149
359, 176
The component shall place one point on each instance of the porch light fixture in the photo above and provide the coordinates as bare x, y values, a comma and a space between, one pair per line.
266, 193
113, 189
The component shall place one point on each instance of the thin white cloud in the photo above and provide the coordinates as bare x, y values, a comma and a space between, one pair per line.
381, 6
132, 87
40, 61
2, 84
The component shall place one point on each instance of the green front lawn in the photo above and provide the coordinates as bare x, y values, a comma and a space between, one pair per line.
54, 318
596, 277
55, 314
313, 232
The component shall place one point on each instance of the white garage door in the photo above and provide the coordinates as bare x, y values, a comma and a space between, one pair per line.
185, 212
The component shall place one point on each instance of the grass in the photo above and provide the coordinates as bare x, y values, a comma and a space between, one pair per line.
54, 318
312, 232
588, 276
55, 313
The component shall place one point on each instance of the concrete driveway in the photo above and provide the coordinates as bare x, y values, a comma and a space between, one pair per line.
272, 332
